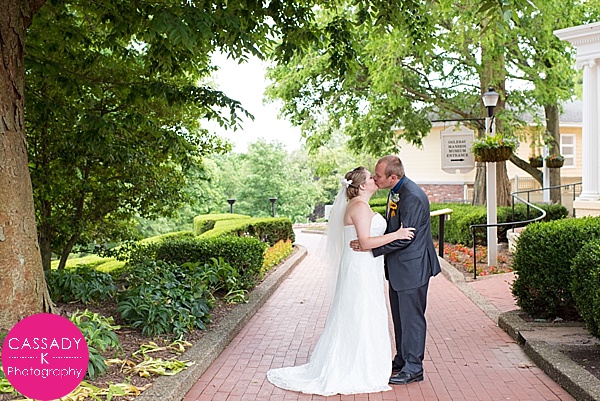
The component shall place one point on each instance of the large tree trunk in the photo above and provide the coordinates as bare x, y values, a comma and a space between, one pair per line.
553, 128
22, 285
503, 197
44, 236
479, 185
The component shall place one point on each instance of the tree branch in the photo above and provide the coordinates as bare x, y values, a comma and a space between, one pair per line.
525, 166
33, 7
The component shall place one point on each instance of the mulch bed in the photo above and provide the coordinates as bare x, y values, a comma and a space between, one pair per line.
586, 357
131, 339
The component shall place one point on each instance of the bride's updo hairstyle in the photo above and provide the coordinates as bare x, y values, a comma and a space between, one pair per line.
358, 177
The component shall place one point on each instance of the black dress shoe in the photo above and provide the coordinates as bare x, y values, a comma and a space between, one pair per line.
405, 378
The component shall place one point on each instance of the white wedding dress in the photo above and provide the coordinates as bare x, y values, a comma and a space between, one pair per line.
353, 354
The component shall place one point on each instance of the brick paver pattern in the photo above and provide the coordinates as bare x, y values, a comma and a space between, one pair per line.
468, 357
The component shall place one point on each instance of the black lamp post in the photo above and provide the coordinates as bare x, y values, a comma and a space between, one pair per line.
273, 200
231, 201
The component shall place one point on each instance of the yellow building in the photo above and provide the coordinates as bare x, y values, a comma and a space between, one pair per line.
424, 166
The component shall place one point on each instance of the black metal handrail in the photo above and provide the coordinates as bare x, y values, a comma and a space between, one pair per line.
474, 227
514, 224
529, 191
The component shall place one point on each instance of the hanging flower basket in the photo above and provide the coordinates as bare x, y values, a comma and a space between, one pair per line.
536, 161
493, 149
493, 155
555, 161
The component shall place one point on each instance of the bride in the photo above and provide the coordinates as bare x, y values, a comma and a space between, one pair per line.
353, 354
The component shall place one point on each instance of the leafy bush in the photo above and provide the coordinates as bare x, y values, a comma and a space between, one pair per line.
163, 298
219, 275
81, 284
99, 334
585, 285
245, 254
542, 262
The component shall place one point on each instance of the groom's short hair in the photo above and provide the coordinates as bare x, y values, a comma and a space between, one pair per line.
393, 165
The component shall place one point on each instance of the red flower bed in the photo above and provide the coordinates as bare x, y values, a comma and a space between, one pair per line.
461, 257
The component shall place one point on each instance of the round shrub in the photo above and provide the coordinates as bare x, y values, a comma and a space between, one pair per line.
585, 285
542, 263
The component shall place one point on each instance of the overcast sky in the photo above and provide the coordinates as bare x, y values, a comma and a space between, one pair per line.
246, 83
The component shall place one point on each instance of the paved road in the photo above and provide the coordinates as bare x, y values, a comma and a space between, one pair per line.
468, 357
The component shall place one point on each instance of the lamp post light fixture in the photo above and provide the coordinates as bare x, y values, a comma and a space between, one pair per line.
231, 201
273, 200
490, 100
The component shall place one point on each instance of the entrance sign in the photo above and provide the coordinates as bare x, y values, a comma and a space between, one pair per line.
456, 150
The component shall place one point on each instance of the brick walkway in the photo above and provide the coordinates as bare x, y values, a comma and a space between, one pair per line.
468, 357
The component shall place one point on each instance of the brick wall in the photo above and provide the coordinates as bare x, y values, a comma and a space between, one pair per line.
439, 193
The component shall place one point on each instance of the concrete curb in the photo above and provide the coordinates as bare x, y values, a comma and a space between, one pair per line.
458, 279
577, 381
210, 346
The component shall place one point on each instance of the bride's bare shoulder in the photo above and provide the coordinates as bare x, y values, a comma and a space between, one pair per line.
357, 210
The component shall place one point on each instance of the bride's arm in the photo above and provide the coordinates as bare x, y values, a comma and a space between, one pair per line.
361, 215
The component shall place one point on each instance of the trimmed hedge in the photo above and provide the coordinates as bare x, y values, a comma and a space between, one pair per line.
245, 254
379, 209
269, 230
585, 285
206, 222
456, 230
542, 262
378, 202
161, 237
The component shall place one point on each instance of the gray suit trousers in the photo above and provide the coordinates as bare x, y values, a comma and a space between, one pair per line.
410, 326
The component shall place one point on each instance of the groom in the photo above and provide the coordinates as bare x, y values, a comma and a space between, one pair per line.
408, 267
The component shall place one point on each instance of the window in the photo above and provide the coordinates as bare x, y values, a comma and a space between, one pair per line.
567, 149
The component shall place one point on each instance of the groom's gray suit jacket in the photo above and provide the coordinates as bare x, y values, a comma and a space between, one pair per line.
410, 263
